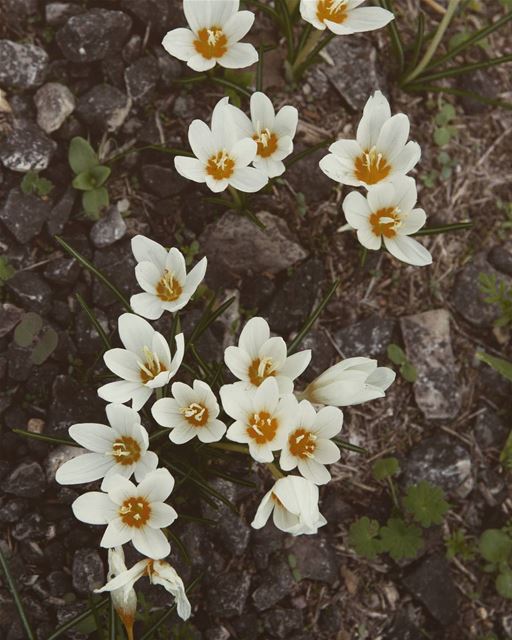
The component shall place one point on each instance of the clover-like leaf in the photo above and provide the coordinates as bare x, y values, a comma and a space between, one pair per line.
362, 537
495, 546
396, 354
385, 468
45, 346
408, 372
401, 540
27, 329
504, 583
426, 503
95, 201
81, 155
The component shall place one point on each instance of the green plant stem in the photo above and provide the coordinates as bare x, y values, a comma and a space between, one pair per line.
77, 620
94, 321
436, 41
396, 39
432, 231
306, 152
230, 446
467, 68
154, 147
287, 27
312, 48
42, 438
276, 473
423, 88
393, 492
343, 444
15, 596
237, 199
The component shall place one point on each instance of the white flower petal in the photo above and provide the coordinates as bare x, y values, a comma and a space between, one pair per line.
368, 239
408, 158
84, 468
190, 168
412, 222
286, 121
146, 250
147, 463
296, 364
326, 451
123, 363
238, 25
135, 332
367, 19
356, 209
92, 436
239, 56
408, 250
180, 43
147, 305
262, 112
156, 486
254, 334
201, 140
162, 515
328, 422
375, 114
94, 507
314, 471
151, 542
121, 391
244, 152
116, 534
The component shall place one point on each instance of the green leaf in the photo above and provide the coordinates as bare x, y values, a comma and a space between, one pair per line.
426, 503
81, 155
84, 181
396, 354
503, 367
27, 329
401, 540
95, 201
45, 346
6, 271
385, 468
408, 372
362, 536
445, 115
442, 136
495, 546
32, 183
504, 583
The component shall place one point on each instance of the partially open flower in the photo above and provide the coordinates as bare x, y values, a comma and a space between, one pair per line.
387, 215
259, 357
136, 513
380, 151
121, 449
163, 276
351, 381
294, 501
309, 446
158, 572
222, 157
144, 364
344, 17
123, 597
216, 26
273, 133
192, 411
262, 418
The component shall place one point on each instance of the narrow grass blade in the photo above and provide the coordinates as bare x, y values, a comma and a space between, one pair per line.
77, 619
15, 596
306, 152
396, 39
503, 367
94, 321
112, 622
418, 41
254, 219
265, 8
231, 85
154, 147
287, 28
233, 479
42, 438
198, 519
259, 68
343, 444
199, 329
181, 547
424, 88
447, 228
311, 57
466, 68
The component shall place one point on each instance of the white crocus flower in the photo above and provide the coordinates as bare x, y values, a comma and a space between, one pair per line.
136, 513
387, 215
294, 501
216, 26
192, 411
123, 597
163, 276
259, 357
273, 133
144, 364
120, 449
380, 151
344, 17
222, 157
263, 419
351, 381
309, 446
158, 572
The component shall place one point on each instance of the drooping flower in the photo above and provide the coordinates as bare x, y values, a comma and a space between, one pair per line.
144, 364
344, 17
387, 215
222, 157
380, 151
216, 26
121, 449
163, 276
351, 381
309, 446
136, 513
294, 501
123, 597
259, 357
158, 572
192, 411
262, 418
273, 133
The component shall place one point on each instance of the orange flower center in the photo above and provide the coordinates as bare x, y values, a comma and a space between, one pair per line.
135, 512
261, 369
333, 10
211, 43
168, 288
267, 143
262, 427
195, 414
126, 450
220, 166
371, 167
151, 367
385, 222
302, 443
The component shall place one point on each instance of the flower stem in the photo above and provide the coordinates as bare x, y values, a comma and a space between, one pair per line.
277, 474
303, 58
237, 198
394, 496
230, 446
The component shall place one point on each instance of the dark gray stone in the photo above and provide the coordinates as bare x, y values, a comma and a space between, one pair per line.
489, 430
227, 597
330, 621
403, 628
118, 264
103, 107
369, 338
276, 583
31, 291
60, 213
26, 481
88, 571
94, 35
73, 402
26, 148
141, 79
170, 69
33, 528
10, 315
163, 182
15, 12
280, 623
87, 340
218, 633
315, 558
501, 258
13, 510
480, 82
108, 229
305, 177
58, 13
62, 271
24, 215
59, 583
22, 66
322, 353
159, 15
431, 583
20, 364
54, 102
265, 542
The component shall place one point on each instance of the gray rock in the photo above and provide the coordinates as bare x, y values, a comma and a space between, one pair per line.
280, 623
10, 315
481, 83
88, 571
26, 147
108, 229
218, 633
54, 102
31, 290
26, 481
315, 558
16, 12
57, 457
118, 264
227, 598
141, 79
170, 69
489, 429
265, 542
58, 13
62, 271
305, 177
104, 107
20, 363
235, 244
163, 182
442, 461
87, 340
22, 66
33, 528
60, 213
431, 583
73, 402
159, 15
403, 628
24, 215
12, 510
429, 349
322, 353
501, 258
94, 35
276, 583
369, 338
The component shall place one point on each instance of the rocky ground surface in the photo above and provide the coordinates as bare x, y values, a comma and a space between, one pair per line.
96, 69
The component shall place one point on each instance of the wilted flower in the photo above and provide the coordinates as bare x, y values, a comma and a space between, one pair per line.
216, 26
222, 158
273, 133
135, 513
351, 381
380, 151
191, 412
158, 572
121, 449
309, 446
262, 419
123, 597
144, 364
294, 501
163, 276
259, 357
386, 215
344, 17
